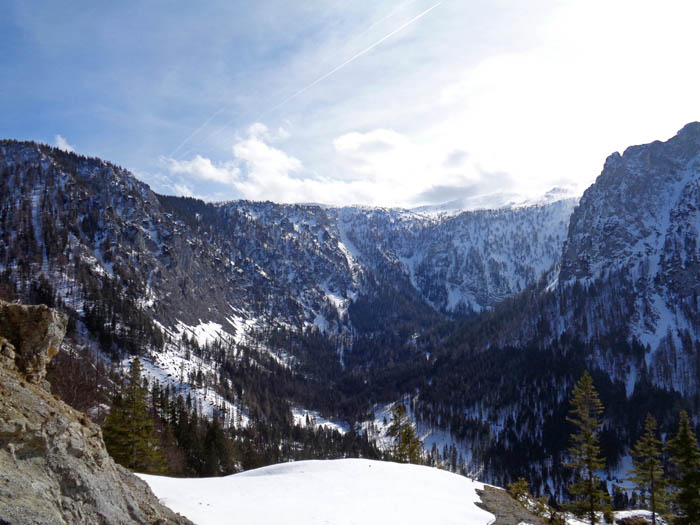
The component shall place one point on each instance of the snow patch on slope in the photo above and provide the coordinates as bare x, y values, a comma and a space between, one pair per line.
313, 418
342, 492
204, 333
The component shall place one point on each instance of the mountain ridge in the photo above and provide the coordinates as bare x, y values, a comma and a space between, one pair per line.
467, 318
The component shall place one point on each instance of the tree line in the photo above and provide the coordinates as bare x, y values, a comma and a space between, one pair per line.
153, 429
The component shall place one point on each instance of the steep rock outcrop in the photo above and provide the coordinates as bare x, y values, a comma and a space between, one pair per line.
36, 332
632, 251
54, 467
640, 215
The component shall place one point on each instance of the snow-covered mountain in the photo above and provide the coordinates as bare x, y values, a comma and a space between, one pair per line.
624, 306
630, 271
462, 263
198, 289
633, 242
641, 218
353, 308
184, 262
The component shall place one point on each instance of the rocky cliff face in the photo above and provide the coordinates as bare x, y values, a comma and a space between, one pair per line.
36, 333
463, 263
54, 468
641, 214
633, 246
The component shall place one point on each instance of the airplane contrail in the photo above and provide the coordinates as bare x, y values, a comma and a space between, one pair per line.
318, 80
390, 14
200, 128
349, 60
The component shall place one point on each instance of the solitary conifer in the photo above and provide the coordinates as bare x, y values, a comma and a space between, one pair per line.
128, 431
685, 456
648, 473
584, 453
407, 445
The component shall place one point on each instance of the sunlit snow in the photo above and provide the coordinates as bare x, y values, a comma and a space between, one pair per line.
341, 492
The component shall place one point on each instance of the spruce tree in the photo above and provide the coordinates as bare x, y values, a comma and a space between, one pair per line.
648, 473
685, 456
128, 432
407, 445
589, 498
218, 451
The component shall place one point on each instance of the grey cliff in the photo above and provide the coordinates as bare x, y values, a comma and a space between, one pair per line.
54, 468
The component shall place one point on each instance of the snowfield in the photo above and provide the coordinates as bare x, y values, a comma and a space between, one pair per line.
339, 492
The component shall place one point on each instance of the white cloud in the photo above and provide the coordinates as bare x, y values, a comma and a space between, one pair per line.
378, 167
183, 190
202, 168
258, 129
62, 143
376, 141
500, 98
270, 173
264, 161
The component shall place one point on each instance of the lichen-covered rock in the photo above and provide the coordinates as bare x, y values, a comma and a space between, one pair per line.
54, 467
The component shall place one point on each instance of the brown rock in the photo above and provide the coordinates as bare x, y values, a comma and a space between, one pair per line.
36, 333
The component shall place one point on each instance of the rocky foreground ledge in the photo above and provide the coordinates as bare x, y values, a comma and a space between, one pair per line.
54, 467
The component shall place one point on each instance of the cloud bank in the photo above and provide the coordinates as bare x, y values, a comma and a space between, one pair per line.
465, 97
380, 167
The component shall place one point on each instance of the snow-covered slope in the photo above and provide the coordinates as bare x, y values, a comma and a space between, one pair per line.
461, 263
630, 270
633, 245
341, 492
337, 492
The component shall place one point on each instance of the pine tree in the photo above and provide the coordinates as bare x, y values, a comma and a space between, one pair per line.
584, 452
685, 456
648, 473
407, 445
128, 432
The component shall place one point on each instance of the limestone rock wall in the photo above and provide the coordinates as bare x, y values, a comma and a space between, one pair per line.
54, 467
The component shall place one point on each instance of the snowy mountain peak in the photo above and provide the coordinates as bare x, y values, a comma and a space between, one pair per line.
495, 201
624, 219
635, 233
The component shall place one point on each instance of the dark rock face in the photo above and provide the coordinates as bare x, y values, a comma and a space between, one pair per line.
54, 468
633, 247
641, 212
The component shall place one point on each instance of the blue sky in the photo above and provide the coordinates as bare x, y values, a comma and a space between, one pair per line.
400, 103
